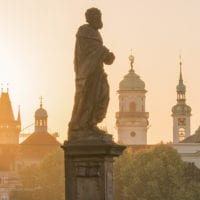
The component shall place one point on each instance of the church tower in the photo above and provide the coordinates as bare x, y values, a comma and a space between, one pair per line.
132, 120
41, 119
9, 127
181, 112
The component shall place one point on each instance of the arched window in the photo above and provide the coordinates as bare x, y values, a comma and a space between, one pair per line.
132, 107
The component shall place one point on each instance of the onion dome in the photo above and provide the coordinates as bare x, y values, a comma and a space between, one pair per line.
131, 80
181, 109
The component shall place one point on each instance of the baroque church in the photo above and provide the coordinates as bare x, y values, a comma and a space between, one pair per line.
14, 156
132, 118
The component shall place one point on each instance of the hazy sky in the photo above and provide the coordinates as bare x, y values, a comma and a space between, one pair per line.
36, 56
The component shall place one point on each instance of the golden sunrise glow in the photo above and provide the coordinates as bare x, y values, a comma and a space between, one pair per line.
37, 45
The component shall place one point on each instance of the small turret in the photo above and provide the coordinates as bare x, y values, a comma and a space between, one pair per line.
41, 119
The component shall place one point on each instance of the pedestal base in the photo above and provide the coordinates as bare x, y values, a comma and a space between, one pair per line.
89, 169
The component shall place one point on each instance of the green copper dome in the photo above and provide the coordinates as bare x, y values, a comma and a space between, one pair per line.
131, 81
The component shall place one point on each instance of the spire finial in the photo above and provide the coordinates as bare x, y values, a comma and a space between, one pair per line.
131, 58
41, 101
180, 63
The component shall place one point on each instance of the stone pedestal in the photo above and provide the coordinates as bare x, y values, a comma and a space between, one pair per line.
89, 168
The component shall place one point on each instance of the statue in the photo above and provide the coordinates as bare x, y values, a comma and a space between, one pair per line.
92, 89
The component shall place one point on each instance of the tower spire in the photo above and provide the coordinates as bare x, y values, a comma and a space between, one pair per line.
180, 63
181, 112
180, 88
41, 101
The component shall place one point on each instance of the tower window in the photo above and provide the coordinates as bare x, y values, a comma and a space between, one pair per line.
132, 107
181, 134
181, 122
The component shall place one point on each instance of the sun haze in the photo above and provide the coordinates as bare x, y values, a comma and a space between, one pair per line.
37, 46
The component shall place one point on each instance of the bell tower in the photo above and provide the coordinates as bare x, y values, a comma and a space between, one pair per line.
41, 119
132, 119
181, 112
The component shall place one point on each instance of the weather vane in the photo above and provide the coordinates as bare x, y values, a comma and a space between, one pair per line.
131, 58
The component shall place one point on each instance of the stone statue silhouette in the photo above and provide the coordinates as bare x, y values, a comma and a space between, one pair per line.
92, 89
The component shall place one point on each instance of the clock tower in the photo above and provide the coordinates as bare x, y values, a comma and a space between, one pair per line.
181, 113
132, 120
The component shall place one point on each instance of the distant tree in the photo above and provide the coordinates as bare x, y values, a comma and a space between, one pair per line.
156, 173
45, 181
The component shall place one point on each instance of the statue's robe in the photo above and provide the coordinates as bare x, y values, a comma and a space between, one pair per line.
92, 89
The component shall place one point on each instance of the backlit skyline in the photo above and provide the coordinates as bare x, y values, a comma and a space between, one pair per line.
37, 45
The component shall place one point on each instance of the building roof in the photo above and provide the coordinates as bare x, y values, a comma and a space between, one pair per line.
131, 80
195, 138
6, 112
40, 139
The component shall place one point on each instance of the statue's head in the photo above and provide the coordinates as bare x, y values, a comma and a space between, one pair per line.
93, 17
